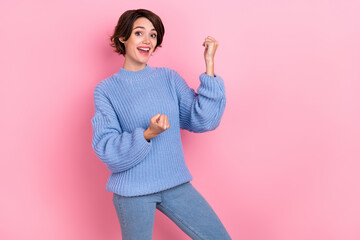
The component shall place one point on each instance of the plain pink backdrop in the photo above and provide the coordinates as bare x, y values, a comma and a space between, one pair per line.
282, 165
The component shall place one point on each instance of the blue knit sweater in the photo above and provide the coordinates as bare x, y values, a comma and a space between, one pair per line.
124, 104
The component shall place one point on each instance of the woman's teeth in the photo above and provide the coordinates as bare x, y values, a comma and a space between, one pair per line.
144, 51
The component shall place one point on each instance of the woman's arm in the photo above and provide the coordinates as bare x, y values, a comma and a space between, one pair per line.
210, 68
210, 45
200, 111
118, 149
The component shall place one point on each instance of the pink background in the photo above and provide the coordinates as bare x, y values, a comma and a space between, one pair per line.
283, 164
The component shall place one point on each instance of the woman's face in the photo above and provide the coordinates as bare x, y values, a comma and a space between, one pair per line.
143, 35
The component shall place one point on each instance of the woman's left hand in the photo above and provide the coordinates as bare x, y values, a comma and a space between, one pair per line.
210, 45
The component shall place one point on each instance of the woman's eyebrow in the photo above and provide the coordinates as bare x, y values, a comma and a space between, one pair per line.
144, 28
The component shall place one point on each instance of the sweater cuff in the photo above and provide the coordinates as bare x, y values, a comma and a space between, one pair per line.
141, 131
144, 146
211, 82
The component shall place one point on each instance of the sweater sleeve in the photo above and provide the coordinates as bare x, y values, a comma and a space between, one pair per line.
201, 111
118, 149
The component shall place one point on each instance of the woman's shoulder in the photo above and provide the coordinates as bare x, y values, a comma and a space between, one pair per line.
162, 69
169, 69
170, 72
166, 72
104, 84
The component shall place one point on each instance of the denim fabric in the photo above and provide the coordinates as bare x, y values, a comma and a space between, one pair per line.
183, 204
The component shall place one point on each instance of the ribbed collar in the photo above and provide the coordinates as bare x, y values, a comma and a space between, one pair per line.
134, 75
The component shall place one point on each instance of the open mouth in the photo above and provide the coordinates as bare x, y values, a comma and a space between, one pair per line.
144, 51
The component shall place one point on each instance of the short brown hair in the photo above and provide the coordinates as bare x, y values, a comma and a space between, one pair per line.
125, 25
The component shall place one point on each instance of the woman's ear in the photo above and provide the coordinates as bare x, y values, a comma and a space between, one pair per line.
122, 40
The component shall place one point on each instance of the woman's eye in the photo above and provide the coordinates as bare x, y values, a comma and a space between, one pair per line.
154, 35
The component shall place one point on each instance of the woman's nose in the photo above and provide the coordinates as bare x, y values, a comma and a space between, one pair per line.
146, 39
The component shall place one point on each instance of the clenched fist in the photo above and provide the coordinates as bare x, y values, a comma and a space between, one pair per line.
158, 124
210, 45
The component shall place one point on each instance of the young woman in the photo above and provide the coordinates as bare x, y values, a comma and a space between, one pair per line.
139, 112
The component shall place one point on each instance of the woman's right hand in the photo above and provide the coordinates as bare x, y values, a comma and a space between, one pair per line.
158, 124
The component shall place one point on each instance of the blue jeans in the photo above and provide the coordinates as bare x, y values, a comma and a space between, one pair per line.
183, 204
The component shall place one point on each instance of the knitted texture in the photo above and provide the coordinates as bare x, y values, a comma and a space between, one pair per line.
124, 104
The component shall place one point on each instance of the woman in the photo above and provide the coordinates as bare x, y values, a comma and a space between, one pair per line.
139, 112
